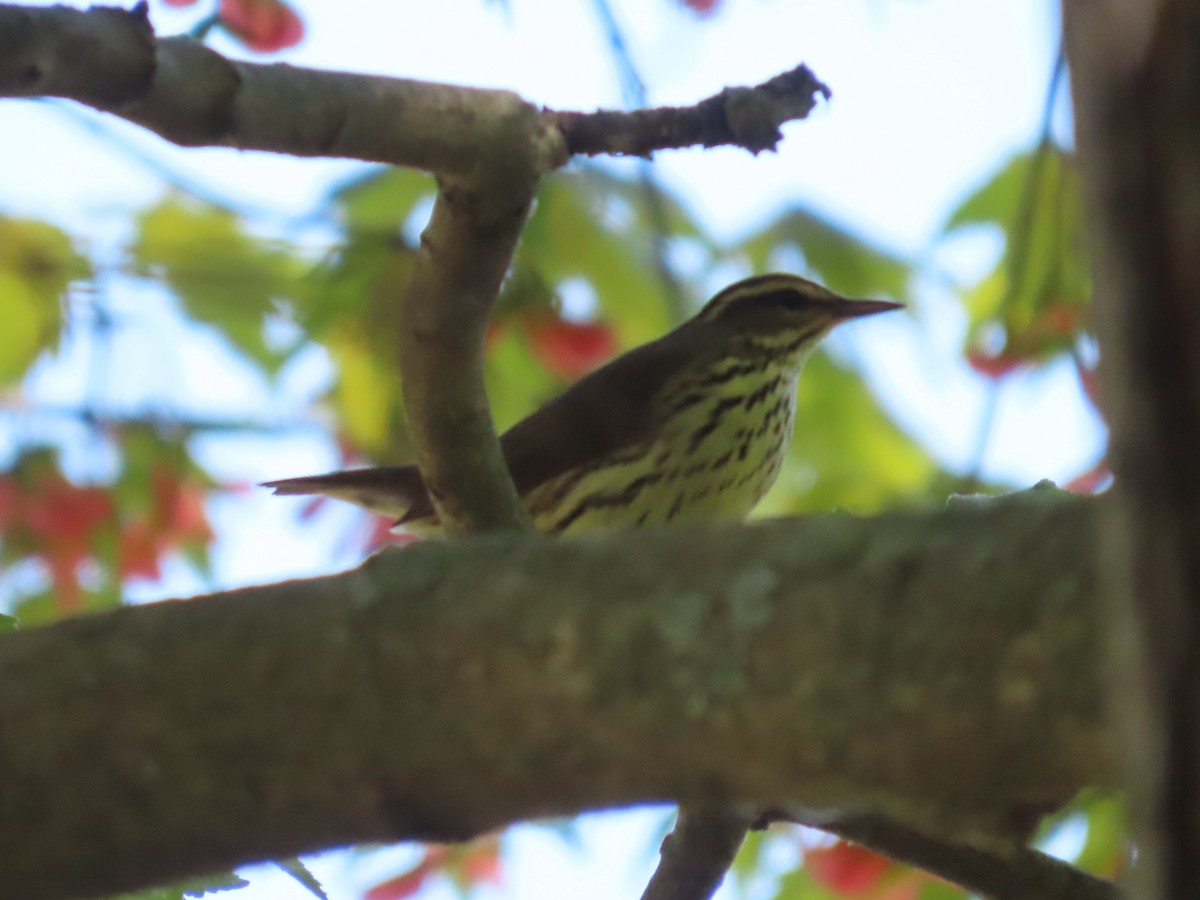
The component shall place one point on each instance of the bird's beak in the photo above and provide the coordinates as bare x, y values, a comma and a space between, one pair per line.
856, 309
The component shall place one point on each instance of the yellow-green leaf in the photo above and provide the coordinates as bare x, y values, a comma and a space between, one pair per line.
27, 331
224, 276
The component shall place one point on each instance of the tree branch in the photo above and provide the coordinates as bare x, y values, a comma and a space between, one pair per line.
488, 148
1001, 872
698, 852
109, 58
1136, 80
741, 116
465, 251
449, 688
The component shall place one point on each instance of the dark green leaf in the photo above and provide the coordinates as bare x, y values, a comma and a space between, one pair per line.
193, 887
568, 237
836, 256
1037, 297
295, 867
996, 201
383, 200
846, 452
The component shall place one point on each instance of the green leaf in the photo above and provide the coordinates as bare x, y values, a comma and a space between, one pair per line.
516, 382
997, 200
224, 277
37, 265
383, 200
41, 254
8, 623
940, 890
295, 867
568, 237
798, 884
749, 857
843, 261
1039, 293
846, 452
38, 608
367, 395
649, 208
193, 887
1106, 845
27, 329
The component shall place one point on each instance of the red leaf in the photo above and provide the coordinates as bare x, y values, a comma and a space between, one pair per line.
1090, 384
56, 510
569, 349
993, 367
140, 547
401, 886
495, 331
482, 862
846, 869
63, 564
411, 881
9, 495
264, 26
1090, 481
1057, 319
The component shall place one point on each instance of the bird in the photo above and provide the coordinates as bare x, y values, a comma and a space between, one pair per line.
693, 426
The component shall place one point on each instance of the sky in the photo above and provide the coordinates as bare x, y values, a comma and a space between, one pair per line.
929, 97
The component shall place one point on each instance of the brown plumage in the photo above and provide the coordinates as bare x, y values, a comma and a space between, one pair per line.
628, 404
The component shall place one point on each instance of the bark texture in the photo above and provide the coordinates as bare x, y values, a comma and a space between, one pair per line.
902, 665
1136, 77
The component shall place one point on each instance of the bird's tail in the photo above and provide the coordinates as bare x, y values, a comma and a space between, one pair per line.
394, 491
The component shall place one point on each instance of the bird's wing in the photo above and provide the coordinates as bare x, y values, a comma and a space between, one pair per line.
387, 490
612, 408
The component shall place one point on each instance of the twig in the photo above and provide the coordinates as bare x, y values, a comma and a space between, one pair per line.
741, 116
464, 254
1016, 874
697, 853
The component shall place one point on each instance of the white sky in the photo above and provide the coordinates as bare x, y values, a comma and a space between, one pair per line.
929, 96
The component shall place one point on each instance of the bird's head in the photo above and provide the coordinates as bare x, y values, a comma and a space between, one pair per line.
784, 308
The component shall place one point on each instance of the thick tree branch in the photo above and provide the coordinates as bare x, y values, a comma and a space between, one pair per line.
109, 58
446, 689
1136, 78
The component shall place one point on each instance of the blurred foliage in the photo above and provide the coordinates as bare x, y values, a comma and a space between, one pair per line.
208, 886
225, 277
1036, 302
37, 264
584, 286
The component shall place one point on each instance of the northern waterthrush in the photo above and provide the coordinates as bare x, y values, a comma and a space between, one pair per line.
692, 426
